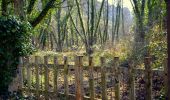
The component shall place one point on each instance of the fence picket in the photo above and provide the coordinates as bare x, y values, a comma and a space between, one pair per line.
78, 67
131, 81
166, 77
91, 78
66, 91
46, 77
28, 73
37, 76
81, 75
55, 69
117, 78
103, 78
20, 73
148, 78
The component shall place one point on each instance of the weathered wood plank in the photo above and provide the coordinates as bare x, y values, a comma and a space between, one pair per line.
20, 73
148, 78
78, 67
37, 76
27, 65
103, 78
166, 77
46, 77
66, 91
81, 76
95, 68
117, 78
91, 78
55, 69
131, 81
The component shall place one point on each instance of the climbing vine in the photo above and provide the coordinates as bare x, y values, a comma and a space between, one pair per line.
15, 42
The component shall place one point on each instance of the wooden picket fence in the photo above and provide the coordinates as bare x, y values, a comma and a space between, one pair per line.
49, 74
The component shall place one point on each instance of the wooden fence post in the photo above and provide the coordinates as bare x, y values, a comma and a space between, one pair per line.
117, 78
166, 77
46, 77
91, 78
131, 80
20, 73
78, 67
148, 78
37, 75
81, 76
28, 67
103, 78
55, 68
66, 91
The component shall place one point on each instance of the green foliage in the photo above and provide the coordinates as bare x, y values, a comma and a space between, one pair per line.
158, 46
151, 32
15, 42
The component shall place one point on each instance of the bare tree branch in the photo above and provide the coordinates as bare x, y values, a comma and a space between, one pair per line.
44, 12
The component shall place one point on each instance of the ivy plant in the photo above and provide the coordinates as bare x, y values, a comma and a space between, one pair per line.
15, 37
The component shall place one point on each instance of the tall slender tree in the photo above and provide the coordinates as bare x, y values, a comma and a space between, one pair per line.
88, 34
168, 33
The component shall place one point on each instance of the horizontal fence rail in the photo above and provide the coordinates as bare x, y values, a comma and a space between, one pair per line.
48, 79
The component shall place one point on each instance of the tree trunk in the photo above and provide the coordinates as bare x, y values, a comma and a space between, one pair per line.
19, 8
59, 46
168, 33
